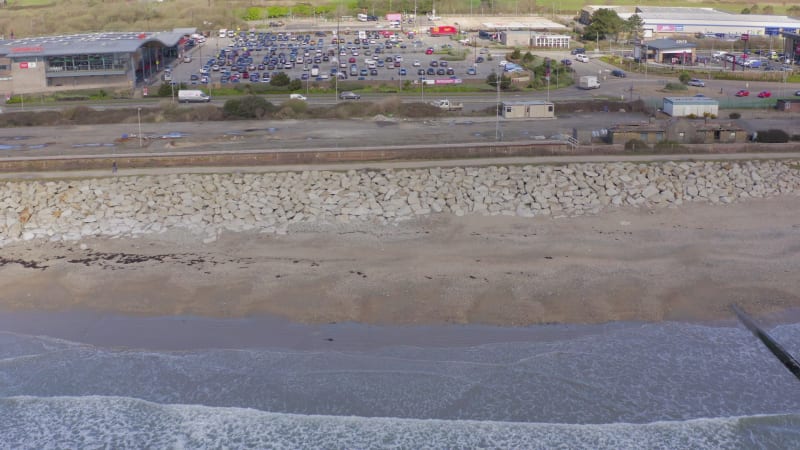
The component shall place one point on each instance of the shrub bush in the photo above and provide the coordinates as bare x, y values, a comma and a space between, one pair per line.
250, 107
772, 136
734, 115
676, 87
667, 146
637, 145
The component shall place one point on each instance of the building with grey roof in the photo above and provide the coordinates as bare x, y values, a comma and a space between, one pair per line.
666, 21
81, 61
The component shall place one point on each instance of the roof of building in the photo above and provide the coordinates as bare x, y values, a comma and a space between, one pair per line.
527, 103
710, 17
669, 44
78, 44
662, 125
691, 100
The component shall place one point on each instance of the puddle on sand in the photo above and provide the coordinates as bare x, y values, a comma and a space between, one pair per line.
93, 144
174, 135
10, 147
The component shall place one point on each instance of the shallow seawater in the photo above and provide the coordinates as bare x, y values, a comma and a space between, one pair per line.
622, 385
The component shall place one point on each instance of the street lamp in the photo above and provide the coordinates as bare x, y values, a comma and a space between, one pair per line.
139, 116
498, 79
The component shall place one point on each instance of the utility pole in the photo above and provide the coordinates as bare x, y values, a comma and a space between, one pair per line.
497, 81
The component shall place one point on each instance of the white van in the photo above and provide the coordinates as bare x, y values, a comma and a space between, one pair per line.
223, 32
193, 95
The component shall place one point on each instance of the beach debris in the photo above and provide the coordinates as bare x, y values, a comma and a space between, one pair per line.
783, 356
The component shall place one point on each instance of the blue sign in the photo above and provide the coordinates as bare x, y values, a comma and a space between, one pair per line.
790, 30
771, 31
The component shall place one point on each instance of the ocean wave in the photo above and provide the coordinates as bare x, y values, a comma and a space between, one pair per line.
120, 423
632, 373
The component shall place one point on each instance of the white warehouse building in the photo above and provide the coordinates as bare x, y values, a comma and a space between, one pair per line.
663, 21
686, 106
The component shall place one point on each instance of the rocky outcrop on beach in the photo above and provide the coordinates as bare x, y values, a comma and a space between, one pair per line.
206, 205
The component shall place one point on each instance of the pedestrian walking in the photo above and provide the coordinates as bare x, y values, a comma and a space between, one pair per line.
114, 167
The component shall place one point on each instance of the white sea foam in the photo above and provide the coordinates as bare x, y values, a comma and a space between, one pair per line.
115, 422
632, 373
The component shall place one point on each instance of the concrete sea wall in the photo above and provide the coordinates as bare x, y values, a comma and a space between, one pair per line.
208, 204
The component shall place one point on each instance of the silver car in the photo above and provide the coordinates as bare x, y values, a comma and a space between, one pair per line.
349, 95
696, 82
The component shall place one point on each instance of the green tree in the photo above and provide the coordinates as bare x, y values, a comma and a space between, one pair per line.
634, 26
604, 23
528, 58
684, 77
295, 85
505, 82
745, 11
280, 79
754, 9
515, 55
768, 9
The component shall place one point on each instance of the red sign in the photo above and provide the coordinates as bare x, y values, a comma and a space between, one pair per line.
745, 37
23, 65
36, 49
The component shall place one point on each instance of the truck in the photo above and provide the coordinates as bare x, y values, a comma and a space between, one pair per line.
589, 82
447, 105
193, 96
443, 30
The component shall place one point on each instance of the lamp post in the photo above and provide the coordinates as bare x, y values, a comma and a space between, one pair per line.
139, 116
498, 79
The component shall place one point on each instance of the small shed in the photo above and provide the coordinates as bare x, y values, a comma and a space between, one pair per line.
788, 105
534, 109
686, 106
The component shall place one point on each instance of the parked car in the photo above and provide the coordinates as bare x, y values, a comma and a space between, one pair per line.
797, 93
349, 95
696, 82
742, 93
416, 63
471, 71
764, 94
479, 59
618, 73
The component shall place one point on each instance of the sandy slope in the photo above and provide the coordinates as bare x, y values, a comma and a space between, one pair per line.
680, 263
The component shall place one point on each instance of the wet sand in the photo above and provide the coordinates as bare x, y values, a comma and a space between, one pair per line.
684, 263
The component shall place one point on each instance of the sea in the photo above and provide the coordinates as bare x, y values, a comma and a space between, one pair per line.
669, 385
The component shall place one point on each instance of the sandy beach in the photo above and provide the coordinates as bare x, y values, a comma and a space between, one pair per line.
681, 263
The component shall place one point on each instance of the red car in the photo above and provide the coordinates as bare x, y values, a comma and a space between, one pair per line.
429, 51
743, 93
764, 94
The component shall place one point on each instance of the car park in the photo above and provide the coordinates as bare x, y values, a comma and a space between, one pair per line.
696, 82
742, 93
349, 95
